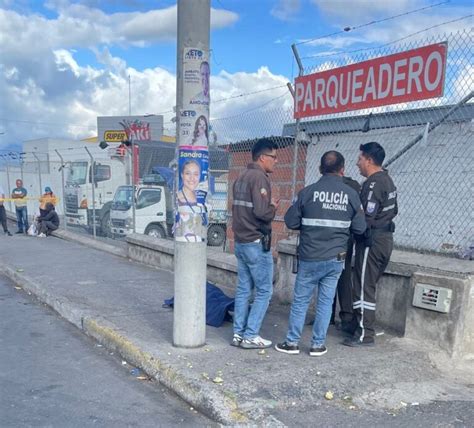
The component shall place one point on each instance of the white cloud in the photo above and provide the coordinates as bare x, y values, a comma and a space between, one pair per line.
79, 26
285, 10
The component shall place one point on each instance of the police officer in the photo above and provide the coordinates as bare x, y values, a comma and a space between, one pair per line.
253, 210
373, 249
325, 212
344, 285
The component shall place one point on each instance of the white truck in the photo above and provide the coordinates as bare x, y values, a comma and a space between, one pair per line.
154, 210
81, 185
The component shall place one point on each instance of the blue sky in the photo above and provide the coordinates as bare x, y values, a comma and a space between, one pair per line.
63, 62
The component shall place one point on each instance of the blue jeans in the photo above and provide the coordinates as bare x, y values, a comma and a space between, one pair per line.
313, 274
254, 270
22, 219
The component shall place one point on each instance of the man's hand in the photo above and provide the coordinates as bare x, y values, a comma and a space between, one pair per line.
275, 203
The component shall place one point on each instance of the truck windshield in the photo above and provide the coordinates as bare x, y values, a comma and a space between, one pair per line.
77, 173
123, 198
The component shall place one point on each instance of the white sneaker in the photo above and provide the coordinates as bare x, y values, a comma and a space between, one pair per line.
236, 340
41, 235
256, 343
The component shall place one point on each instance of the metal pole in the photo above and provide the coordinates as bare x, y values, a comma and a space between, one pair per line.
189, 322
39, 173
94, 231
433, 126
8, 184
63, 188
297, 128
132, 182
129, 95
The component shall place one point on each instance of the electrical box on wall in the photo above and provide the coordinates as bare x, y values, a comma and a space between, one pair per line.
433, 298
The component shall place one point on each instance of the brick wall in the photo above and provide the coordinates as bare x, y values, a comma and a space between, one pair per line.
281, 186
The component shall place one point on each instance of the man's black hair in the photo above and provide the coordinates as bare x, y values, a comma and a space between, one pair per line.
331, 162
261, 147
373, 151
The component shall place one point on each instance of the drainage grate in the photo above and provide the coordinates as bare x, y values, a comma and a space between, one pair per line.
432, 298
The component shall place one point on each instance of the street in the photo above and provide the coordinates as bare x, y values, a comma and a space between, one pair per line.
52, 375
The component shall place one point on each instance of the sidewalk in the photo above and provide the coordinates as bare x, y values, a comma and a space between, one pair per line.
120, 304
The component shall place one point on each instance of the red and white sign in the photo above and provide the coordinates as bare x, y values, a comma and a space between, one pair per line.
412, 75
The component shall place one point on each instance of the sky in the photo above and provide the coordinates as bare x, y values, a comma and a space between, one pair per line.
65, 62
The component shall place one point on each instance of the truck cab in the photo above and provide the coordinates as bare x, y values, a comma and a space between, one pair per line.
108, 174
153, 209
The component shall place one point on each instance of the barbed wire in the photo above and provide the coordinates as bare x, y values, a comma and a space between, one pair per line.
367, 24
389, 43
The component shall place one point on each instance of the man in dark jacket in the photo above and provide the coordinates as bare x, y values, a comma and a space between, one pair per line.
48, 222
373, 249
253, 210
326, 213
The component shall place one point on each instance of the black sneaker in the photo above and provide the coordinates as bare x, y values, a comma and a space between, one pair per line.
317, 351
18, 232
8, 233
286, 348
355, 342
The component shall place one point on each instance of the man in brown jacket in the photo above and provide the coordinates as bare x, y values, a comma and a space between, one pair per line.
253, 210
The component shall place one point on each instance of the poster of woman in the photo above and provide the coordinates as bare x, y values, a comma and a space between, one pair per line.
192, 217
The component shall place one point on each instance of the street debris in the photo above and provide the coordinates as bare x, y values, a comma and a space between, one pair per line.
20, 270
261, 352
135, 371
329, 395
207, 349
218, 380
205, 376
124, 363
18, 288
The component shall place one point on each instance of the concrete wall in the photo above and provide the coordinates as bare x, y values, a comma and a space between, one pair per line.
159, 253
452, 332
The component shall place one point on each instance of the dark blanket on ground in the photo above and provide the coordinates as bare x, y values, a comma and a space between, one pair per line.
218, 306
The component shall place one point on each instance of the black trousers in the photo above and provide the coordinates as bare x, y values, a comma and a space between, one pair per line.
344, 289
46, 227
365, 281
3, 218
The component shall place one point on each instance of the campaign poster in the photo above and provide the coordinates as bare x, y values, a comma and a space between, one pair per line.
194, 115
194, 128
196, 77
193, 187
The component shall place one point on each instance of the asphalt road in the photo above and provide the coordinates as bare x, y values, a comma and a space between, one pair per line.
53, 376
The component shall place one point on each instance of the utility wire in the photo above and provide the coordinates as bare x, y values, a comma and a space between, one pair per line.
160, 113
357, 27
389, 43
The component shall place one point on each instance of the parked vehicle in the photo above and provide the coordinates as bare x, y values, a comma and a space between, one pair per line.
154, 208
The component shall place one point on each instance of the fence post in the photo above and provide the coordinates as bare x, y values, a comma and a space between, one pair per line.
39, 174
297, 127
63, 188
94, 230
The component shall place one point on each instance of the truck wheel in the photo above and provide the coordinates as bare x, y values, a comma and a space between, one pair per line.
156, 231
215, 235
105, 225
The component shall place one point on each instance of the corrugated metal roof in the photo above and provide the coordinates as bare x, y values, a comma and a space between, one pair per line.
391, 119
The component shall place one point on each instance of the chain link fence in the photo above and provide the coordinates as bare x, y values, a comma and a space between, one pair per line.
432, 141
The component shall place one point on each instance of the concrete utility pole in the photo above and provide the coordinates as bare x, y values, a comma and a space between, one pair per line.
190, 259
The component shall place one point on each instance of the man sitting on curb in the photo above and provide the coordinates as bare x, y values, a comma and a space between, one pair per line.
325, 213
48, 222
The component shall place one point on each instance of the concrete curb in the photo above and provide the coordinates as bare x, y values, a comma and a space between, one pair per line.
208, 399
90, 242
